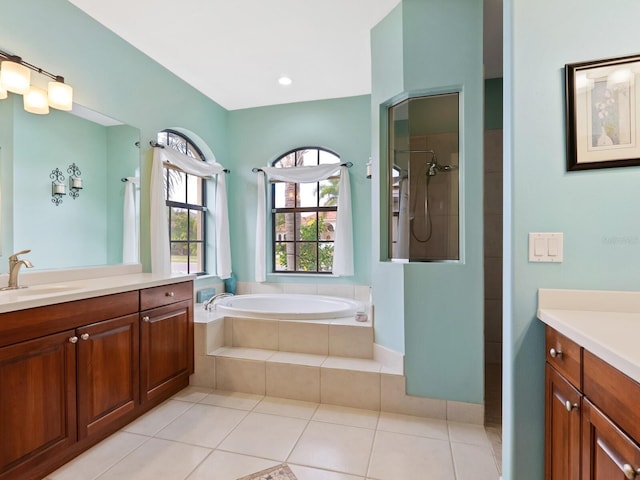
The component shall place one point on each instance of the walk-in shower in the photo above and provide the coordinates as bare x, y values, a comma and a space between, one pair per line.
424, 190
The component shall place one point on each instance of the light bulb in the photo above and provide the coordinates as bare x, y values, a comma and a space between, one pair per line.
14, 77
60, 95
36, 101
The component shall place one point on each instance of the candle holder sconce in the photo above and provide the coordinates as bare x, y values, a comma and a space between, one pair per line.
75, 181
58, 188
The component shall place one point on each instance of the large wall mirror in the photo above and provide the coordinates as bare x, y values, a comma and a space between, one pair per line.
79, 232
424, 178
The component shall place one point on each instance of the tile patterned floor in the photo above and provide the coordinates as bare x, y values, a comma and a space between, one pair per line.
202, 434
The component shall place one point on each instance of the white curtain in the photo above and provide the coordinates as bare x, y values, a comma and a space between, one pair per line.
160, 252
343, 243
129, 224
402, 235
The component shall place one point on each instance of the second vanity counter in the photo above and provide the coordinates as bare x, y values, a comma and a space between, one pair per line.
606, 323
53, 292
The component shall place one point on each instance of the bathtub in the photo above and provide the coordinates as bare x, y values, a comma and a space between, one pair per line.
288, 306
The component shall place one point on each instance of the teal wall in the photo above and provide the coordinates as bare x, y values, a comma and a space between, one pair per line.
111, 77
592, 208
260, 135
442, 302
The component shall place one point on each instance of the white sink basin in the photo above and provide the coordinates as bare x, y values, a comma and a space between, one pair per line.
40, 290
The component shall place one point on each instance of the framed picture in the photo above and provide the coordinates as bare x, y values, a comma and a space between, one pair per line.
603, 113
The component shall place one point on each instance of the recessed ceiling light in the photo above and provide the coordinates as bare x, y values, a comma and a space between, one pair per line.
284, 80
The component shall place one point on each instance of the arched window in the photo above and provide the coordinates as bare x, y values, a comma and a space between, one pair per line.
304, 216
186, 200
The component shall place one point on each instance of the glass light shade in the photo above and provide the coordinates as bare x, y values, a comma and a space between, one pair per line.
60, 96
36, 101
14, 77
3, 92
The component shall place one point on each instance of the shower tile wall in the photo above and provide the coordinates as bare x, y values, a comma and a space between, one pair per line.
493, 245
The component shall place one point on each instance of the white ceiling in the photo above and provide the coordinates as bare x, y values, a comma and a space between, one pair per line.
234, 51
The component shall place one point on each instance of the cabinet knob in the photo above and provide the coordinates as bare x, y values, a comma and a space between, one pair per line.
145, 318
73, 339
555, 353
570, 406
630, 472
84, 336
169, 294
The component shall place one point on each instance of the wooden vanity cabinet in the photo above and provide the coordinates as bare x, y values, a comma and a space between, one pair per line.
592, 424
166, 350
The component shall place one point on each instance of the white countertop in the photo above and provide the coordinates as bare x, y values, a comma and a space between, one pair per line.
606, 323
38, 295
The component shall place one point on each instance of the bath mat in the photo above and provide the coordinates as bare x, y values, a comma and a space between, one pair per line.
279, 472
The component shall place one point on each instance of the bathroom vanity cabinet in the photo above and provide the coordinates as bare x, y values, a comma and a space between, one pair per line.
592, 415
72, 373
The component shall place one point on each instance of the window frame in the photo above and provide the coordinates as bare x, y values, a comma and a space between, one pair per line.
317, 209
189, 207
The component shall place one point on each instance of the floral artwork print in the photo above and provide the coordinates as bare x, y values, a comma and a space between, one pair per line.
610, 121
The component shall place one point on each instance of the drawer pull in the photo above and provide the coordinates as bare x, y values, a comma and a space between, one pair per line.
73, 339
630, 472
169, 294
84, 336
555, 353
570, 406
145, 318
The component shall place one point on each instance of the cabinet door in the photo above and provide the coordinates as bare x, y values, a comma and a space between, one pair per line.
607, 452
108, 372
166, 349
37, 401
562, 429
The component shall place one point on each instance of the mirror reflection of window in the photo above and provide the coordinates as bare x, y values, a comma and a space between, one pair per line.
424, 179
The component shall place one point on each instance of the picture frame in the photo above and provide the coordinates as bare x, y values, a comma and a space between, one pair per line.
603, 113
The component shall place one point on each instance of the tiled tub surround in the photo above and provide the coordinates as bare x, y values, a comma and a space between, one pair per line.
331, 361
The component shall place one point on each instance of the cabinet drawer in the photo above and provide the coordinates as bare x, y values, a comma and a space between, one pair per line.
565, 356
613, 392
165, 295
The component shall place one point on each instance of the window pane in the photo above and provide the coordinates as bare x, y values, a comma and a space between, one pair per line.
177, 186
196, 259
327, 157
308, 229
196, 225
329, 192
179, 257
308, 195
325, 257
307, 258
194, 190
327, 225
286, 226
308, 157
179, 217
285, 257
285, 195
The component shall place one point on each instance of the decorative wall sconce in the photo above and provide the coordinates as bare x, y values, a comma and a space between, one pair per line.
15, 76
58, 188
75, 181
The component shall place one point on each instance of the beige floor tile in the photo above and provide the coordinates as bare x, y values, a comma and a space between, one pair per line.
398, 457
308, 473
410, 425
158, 418
239, 400
157, 459
297, 382
473, 462
286, 407
229, 466
192, 394
308, 359
100, 458
266, 436
354, 417
204, 374
304, 337
350, 341
203, 425
244, 353
465, 412
468, 433
350, 388
394, 399
358, 364
334, 447
250, 333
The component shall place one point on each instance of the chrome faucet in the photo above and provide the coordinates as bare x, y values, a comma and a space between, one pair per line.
14, 269
211, 302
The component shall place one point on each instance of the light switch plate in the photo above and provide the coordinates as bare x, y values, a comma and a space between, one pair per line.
546, 247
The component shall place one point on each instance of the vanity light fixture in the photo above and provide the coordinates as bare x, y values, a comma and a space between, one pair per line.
58, 188
75, 181
15, 77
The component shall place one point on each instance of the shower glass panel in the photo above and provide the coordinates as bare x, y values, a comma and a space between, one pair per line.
424, 179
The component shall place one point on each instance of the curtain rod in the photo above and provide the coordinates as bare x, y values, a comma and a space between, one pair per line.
155, 144
345, 164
